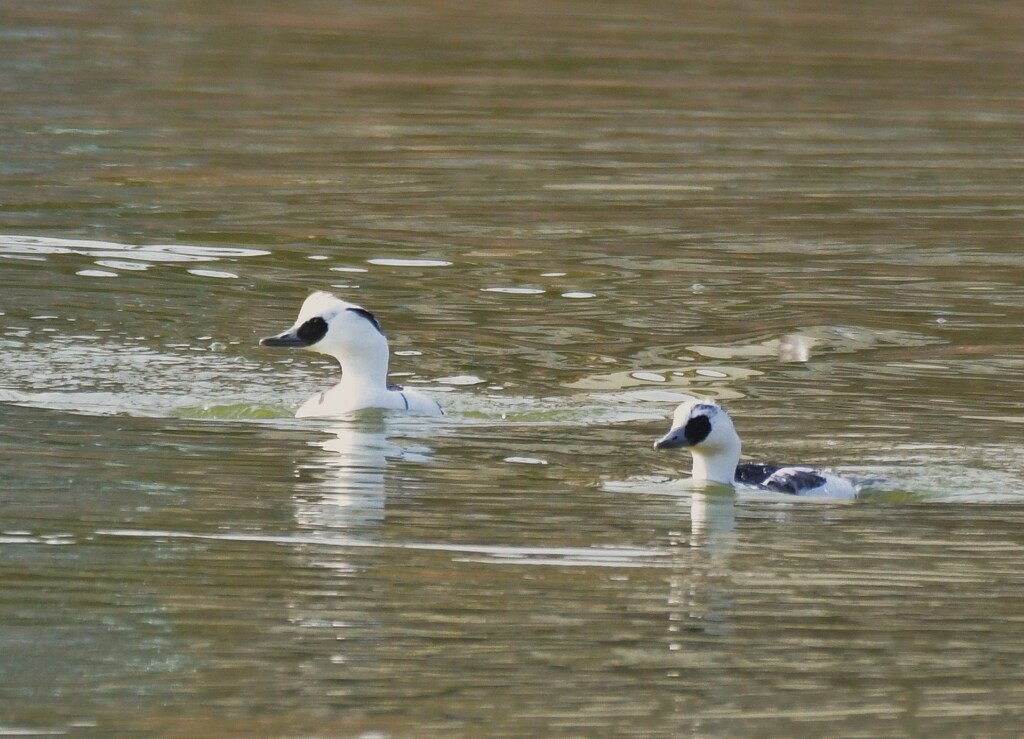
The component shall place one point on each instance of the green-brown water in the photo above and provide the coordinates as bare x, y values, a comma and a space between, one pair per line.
567, 215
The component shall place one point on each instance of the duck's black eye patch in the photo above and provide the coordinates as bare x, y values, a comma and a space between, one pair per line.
697, 429
312, 330
369, 317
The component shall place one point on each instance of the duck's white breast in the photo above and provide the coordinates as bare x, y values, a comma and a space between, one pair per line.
337, 402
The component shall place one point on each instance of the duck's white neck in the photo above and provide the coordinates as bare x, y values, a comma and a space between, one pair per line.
719, 466
366, 369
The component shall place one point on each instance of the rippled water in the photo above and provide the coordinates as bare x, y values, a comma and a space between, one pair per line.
568, 217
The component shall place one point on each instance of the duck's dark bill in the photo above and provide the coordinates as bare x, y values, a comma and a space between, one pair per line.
673, 439
288, 338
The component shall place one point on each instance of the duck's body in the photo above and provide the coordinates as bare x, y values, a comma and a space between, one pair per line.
707, 430
343, 398
794, 480
352, 335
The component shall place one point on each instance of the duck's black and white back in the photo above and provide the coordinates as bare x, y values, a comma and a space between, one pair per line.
794, 480
352, 335
704, 427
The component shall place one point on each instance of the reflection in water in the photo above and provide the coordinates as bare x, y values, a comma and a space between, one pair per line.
713, 521
348, 490
699, 590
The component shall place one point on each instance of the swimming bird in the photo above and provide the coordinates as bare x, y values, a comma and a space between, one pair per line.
705, 428
352, 335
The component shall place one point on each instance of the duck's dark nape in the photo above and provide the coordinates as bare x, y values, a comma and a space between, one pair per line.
369, 317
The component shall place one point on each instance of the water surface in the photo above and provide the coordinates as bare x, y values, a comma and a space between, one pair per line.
568, 217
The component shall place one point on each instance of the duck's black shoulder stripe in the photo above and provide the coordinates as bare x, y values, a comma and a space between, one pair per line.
369, 317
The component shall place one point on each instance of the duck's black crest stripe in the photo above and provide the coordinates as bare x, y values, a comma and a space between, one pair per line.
369, 317
312, 330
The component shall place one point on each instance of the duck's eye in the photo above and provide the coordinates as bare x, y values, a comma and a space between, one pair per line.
697, 429
312, 330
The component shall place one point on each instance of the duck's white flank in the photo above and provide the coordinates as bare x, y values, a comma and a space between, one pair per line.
703, 427
352, 335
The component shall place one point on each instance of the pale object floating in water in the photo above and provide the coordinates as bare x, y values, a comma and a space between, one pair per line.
794, 348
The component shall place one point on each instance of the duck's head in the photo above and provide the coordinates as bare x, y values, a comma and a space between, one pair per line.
329, 325
706, 430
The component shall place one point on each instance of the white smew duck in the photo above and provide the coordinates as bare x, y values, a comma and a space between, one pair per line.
707, 431
352, 335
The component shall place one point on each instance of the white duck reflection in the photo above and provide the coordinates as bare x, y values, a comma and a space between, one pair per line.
713, 520
344, 487
699, 594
